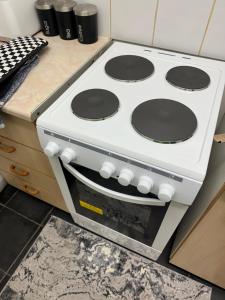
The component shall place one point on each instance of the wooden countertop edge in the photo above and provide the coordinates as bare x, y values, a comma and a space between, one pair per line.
31, 116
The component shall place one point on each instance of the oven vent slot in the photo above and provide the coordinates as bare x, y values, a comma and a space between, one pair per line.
168, 54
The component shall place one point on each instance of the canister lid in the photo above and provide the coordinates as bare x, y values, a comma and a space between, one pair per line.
44, 4
85, 10
64, 5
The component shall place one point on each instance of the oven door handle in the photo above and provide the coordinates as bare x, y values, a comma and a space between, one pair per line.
107, 192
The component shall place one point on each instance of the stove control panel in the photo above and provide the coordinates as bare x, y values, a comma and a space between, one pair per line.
128, 171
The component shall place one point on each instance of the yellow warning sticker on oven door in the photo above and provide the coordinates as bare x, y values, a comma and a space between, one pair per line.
93, 208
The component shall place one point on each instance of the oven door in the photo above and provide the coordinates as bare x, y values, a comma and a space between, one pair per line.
120, 208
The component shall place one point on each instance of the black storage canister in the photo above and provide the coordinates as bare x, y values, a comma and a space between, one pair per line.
87, 24
66, 19
47, 18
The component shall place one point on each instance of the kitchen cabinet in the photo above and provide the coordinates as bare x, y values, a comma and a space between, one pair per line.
199, 247
22, 161
24, 165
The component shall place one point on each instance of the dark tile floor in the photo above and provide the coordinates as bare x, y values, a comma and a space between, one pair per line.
22, 217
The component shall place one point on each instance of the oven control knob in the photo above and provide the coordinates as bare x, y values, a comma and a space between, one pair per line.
68, 155
145, 185
51, 149
107, 170
166, 192
125, 177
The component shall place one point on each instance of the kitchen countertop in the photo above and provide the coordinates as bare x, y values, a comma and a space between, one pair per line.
60, 62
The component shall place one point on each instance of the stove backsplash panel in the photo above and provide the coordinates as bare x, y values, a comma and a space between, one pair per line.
195, 27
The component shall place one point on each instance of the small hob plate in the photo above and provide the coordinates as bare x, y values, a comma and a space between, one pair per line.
95, 104
164, 121
188, 78
129, 68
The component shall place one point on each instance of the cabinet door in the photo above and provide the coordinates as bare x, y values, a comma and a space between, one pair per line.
26, 156
203, 251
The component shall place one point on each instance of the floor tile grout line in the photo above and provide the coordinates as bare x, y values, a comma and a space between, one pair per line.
27, 243
5, 275
1, 270
13, 263
21, 215
10, 198
46, 217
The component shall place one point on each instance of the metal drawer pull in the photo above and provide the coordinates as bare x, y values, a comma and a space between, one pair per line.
18, 171
30, 190
7, 149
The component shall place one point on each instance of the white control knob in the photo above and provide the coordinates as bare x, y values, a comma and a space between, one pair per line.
68, 155
125, 177
145, 185
166, 192
107, 170
51, 149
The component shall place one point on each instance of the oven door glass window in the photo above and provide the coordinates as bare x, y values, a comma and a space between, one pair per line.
138, 221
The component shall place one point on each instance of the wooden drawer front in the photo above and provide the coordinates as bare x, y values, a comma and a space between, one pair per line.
20, 131
52, 196
29, 157
27, 174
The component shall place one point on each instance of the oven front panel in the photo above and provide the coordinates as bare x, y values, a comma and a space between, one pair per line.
139, 222
93, 157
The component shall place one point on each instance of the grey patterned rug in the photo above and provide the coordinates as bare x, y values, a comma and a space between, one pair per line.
69, 263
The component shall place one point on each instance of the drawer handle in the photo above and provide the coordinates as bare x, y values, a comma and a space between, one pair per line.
7, 149
30, 190
18, 171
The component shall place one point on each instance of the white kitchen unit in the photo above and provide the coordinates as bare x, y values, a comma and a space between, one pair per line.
130, 140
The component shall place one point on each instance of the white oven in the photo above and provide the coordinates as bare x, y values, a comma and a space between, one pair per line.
137, 221
129, 142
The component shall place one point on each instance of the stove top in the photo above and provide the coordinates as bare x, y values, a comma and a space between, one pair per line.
154, 106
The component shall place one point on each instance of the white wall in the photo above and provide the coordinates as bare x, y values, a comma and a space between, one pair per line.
131, 22
192, 26
180, 24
